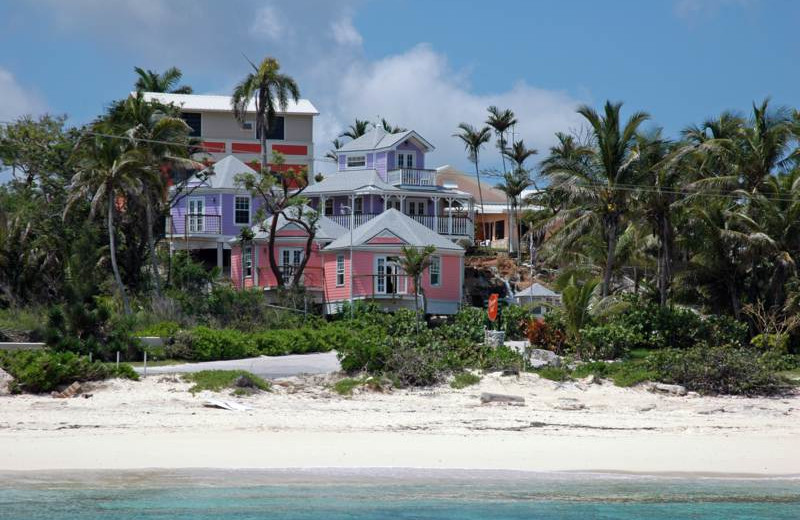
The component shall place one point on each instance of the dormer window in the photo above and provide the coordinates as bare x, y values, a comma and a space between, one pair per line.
356, 161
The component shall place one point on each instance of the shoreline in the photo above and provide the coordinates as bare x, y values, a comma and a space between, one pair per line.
156, 425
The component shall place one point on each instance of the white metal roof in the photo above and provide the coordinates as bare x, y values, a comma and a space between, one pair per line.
395, 223
379, 139
222, 174
326, 228
350, 181
217, 103
536, 289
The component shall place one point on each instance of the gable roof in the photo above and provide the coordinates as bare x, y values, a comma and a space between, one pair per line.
327, 229
350, 180
449, 176
393, 223
536, 289
215, 103
222, 174
379, 139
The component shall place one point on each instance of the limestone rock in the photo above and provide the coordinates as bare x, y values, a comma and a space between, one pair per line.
540, 358
664, 388
5, 382
487, 397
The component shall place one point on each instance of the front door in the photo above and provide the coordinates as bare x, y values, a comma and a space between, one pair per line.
389, 277
195, 213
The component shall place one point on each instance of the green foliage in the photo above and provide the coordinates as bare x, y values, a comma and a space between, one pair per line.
554, 373
38, 371
469, 323
188, 276
22, 324
218, 380
609, 341
513, 320
347, 385
464, 379
205, 344
724, 369
162, 329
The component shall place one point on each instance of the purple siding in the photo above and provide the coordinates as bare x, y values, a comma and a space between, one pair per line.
419, 156
370, 160
380, 164
342, 162
215, 204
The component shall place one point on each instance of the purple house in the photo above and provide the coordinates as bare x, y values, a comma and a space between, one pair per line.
381, 170
211, 210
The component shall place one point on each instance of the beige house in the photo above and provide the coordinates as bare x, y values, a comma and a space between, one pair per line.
493, 220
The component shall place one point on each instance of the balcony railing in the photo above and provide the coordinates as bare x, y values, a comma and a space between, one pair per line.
197, 224
412, 177
461, 226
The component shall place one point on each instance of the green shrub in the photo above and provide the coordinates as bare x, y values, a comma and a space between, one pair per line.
38, 371
469, 323
465, 379
513, 320
631, 374
609, 341
726, 369
22, 324
218, 380
163, 329
347, 385
205, 344
554, 373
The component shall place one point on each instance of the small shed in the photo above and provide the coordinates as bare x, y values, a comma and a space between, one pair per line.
539, 297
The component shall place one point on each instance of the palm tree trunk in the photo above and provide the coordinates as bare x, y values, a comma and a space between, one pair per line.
151, 244
611, 232
113, 249
480, 192
665, 264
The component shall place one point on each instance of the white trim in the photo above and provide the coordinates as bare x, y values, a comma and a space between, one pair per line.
347, 164
249, 210
201, 221
343, 271
247, 251
438, 260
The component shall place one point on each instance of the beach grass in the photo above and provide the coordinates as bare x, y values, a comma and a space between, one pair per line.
347, 385
158, 363
218, 380
465, 379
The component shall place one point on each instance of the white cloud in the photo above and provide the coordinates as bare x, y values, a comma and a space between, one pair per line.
268, 24
16, 100
344, 33
418, 89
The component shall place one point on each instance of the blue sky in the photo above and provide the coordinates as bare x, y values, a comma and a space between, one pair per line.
422, 64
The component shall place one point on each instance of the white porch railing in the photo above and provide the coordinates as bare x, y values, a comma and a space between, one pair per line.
411, 177
458, 226
359, 218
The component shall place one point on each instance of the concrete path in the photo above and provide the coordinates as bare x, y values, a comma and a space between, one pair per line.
270, 367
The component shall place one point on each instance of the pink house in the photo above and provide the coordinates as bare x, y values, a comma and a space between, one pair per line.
374, 273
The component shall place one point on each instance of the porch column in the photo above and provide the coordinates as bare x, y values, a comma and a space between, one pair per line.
321, 208
254, 260
436, 214
450, 216
402, 204
352, 211
385, 201
220, 247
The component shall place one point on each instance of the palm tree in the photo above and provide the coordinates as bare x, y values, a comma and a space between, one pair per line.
151, 81
501, 121
595, 185
473, 140
357, 129
576, 299
514, 183
332, 154
413, 262
270, 90
163, 138
387, 126
107, 173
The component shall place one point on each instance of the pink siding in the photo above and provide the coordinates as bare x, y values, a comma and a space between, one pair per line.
312, 275
386, 240
450, 286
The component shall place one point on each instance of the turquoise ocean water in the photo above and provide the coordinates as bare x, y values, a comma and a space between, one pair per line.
383, 494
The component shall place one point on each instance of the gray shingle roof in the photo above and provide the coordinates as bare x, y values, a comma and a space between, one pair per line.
350, 181
392, 221
378, 139
536, 289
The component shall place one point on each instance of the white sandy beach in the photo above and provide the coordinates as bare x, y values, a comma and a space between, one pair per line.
157, 423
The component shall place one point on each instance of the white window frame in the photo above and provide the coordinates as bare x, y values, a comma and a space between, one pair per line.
325, 208
295, 255
247, 261
405, 160
413, 204
435, 269
339, 270
358, 205
196, 220
382, 279
249, 209
362, 163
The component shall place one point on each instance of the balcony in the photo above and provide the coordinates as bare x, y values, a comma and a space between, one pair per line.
458, 226
197, 224
411, 177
